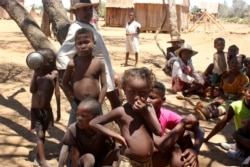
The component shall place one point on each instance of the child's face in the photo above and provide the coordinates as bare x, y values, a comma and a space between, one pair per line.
49, 63
186, 55
219, 46
136, 89
235, 64
84, 116
233, 51
156, 98
84, 44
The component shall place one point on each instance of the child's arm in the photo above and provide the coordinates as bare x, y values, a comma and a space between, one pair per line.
57, 95
75, 156
67, 78
98, 124
239, 138
148, 113
229, 115
103, 83
33, 85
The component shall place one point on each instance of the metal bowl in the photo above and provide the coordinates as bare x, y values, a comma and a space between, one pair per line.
34, 60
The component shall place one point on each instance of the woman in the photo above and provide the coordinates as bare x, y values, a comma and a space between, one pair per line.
231, 88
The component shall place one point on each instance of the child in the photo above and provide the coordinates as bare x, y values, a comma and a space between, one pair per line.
88, 147
246, 69
233, 51
136, 119
184, 76
83, 72
43, 83
169, 120
132, 37
220, 63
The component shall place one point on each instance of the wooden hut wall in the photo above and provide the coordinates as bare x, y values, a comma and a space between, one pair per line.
151, 17
117, 17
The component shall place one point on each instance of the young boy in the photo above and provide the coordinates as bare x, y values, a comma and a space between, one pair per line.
136, 120
43, 84
84, 73
220, 63
174, 142
88, 147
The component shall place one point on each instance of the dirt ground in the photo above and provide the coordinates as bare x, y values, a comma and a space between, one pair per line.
17, 142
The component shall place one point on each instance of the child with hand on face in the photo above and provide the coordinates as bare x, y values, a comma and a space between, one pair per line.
136, 119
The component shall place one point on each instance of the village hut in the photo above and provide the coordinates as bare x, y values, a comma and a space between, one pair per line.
117, 12
150, 13
4, 14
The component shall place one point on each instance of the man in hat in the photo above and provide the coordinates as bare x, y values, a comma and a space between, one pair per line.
176, 43
184, 76
83, 11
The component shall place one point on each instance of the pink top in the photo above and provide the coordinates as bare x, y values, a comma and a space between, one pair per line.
168, 119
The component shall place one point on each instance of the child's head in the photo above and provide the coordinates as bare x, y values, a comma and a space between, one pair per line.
137, 83
235, 64
88, 109
84, 41
233, 51
157, 95
185, 52
247, 95
246, 62
131, 16
219, 44
49, 63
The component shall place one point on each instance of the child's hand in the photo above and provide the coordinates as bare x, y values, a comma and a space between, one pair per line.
120, 139
140, 105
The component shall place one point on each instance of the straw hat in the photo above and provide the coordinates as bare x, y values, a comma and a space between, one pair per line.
76, 4
175, 39
185, 47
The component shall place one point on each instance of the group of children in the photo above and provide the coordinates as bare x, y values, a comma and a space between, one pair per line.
225, 81
142, 120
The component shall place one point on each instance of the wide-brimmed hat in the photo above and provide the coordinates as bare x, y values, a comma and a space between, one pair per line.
185, 47
76, 4
175, 39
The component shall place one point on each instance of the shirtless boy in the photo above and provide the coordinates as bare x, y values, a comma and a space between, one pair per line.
89, 148
136, 119
43, 84
84, 72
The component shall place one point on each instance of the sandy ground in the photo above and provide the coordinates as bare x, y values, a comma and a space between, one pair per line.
17, 142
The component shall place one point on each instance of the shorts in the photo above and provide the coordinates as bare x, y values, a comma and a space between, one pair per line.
215, 79
127, 162
72, 114
41, 119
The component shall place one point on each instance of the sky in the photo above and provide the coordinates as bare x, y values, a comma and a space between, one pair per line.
66, 3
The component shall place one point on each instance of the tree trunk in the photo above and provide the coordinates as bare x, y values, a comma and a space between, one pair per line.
58, 18
27, 24
45, 25
173, 19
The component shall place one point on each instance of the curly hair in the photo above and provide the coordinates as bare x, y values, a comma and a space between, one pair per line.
141, 73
